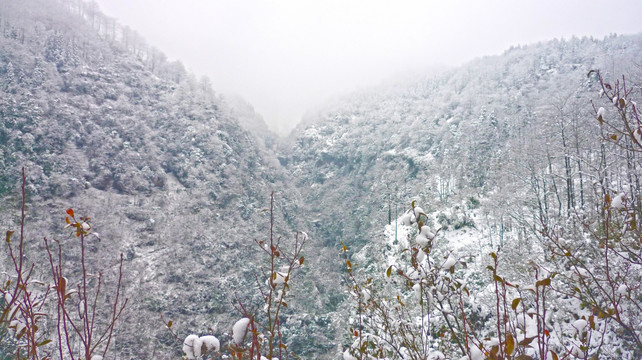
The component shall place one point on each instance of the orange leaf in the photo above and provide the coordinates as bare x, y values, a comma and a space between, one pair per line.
44, 343
510, 344
70, 212
516, 303
544, 282
62, 285
526, 341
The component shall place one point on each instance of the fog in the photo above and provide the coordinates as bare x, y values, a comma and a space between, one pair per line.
285, 57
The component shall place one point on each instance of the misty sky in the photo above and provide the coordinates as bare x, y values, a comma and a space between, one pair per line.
286, 56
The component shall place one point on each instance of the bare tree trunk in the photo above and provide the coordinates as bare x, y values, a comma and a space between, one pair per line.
557, 195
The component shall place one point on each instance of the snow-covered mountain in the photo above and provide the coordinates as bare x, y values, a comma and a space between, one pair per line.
453, 138
497, 152
102, 124
177, 178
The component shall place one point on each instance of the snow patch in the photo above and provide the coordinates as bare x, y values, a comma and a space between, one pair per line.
600, 112
579, 324
348, 356
618, 201
188, 346
449, 262
210, 343
239, 330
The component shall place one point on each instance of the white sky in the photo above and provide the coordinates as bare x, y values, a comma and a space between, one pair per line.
286, 56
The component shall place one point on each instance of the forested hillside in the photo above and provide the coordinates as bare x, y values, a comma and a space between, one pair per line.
103, 124
475, 133
509, 154
513, 154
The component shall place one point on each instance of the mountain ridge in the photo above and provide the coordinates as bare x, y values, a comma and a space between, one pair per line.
104, 125
153, 155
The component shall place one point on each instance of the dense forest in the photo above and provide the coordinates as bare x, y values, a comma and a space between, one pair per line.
490, 211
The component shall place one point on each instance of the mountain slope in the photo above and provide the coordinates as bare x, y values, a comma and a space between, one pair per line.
492, 151
445, 139
103, 124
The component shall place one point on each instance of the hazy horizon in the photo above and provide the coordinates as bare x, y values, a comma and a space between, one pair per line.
286, 57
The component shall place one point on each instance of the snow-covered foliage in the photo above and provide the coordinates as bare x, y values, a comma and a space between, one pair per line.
569, 292
189, 346
501, 146
259, 333
109, 127
437, 302
195, 347
504, 152
239, 330
210, 343
85, 310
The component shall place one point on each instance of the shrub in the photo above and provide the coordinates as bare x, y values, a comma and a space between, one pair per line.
73, 306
